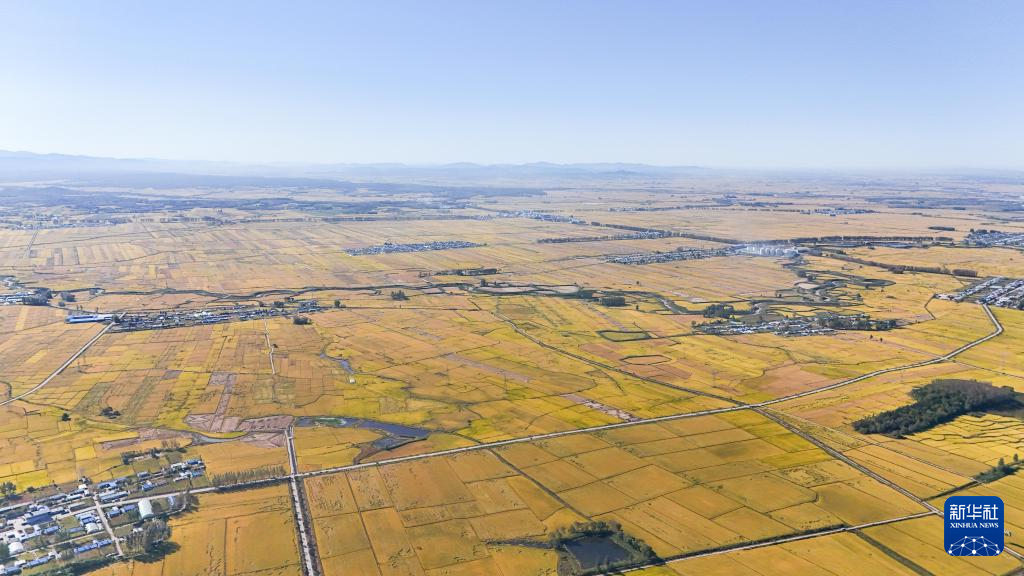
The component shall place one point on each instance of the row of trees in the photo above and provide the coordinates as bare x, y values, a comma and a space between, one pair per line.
148, 539
861, 238
719, 311
129, 456
901, 268
999, 470
253, 474
858, 322
7, 490
672, 234
935, 403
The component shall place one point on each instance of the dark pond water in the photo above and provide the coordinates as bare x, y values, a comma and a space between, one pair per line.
345, 364
593, 551
386, 427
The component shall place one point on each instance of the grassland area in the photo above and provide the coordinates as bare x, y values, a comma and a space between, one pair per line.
432, 408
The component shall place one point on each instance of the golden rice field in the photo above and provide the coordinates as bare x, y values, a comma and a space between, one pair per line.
749, 367
1010, 490
927, 463
472, 360
1001, 355
767, 225
915, 541
681, 486
903, 548
39, 449
34, 342
988, 262
234, 534
985, 438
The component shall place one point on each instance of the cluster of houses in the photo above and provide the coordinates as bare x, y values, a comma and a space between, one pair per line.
181, 318
389, 248
542, 216
971, 290
12, 298
771, 250
43, 518
52, 515
986, 238
115, 489
996, 291
784, 327
673, 256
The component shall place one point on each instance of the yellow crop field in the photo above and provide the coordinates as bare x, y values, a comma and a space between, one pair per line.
324, 446
229, 535
953, 326
840, 554
463, 505
462, 510
40, 448
984, 439
842, 406
921, 478
452, 379
911, 539
986, 262
30, 355
997, 356
1010, 490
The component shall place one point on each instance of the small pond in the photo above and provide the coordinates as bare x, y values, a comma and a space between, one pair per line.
594, 551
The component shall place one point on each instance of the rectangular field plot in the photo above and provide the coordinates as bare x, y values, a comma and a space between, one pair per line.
234, 534
681, 486
459, 513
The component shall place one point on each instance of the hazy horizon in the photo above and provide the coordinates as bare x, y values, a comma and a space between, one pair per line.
62, 163
740, 85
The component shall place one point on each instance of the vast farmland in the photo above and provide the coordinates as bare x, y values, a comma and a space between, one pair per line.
453, 387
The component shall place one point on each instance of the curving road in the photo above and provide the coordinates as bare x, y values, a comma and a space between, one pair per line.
936, 360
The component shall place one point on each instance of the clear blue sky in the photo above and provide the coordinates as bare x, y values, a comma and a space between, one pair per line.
761, 83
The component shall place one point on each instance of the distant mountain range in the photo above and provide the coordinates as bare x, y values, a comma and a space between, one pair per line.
31, 165
93, 171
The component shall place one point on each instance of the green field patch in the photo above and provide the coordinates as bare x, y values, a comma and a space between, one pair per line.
624, 335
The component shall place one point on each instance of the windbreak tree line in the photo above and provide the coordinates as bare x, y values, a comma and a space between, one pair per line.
936, 403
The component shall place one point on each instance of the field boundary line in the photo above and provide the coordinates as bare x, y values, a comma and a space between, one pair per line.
775, 541
59, 370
